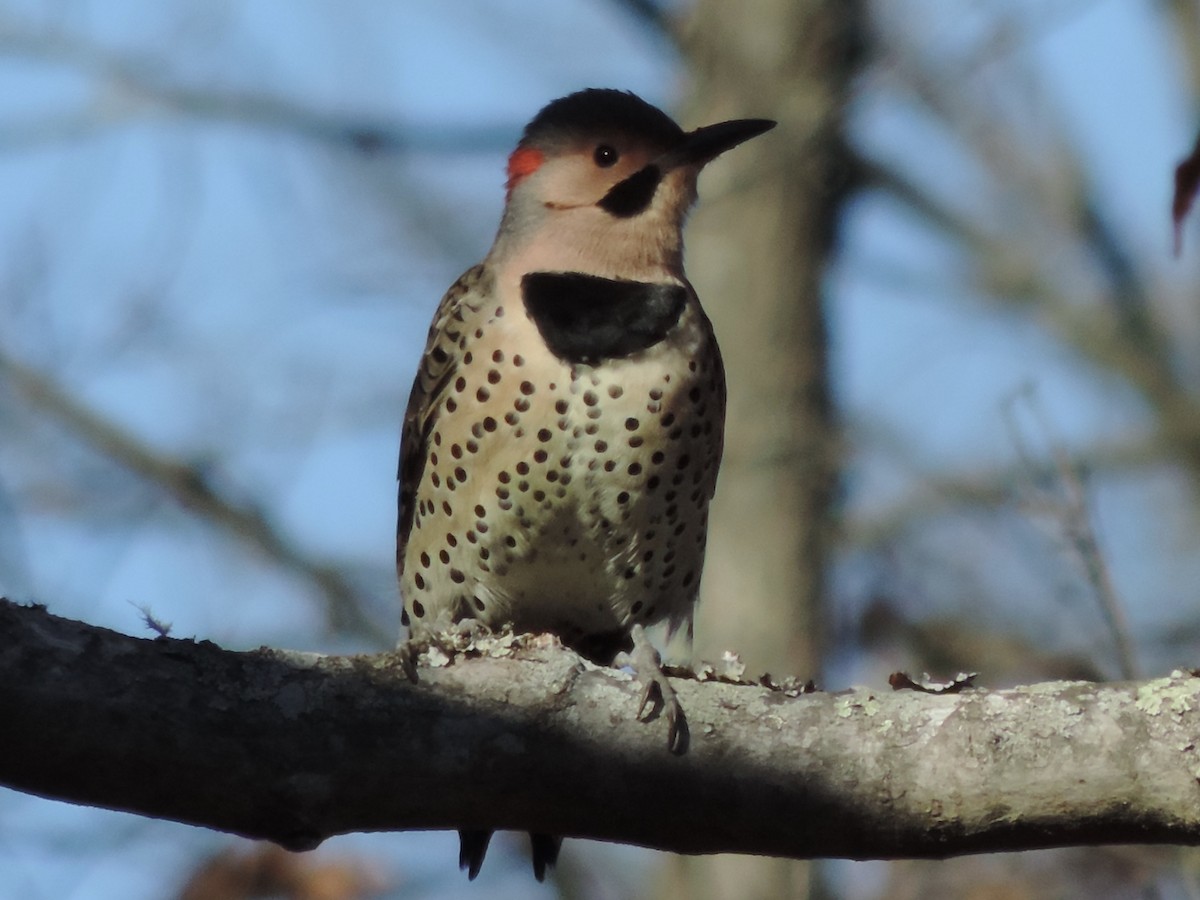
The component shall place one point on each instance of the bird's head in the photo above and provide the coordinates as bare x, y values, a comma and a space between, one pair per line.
601, 180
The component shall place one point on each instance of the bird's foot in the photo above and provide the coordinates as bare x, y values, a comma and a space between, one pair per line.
657, 693
406, 658
439, 640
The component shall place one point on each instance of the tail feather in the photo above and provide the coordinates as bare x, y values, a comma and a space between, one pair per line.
472, 848
545, 849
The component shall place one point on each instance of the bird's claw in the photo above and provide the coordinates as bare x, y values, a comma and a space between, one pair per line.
406, 659
657, 693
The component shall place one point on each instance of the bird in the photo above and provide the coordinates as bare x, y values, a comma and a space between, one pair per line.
562, 438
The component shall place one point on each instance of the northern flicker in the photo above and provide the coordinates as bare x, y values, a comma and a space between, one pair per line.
561, 442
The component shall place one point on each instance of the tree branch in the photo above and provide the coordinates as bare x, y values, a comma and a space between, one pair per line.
145, 85
192, 488
524, 735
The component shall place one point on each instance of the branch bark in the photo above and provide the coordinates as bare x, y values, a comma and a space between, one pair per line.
521, 734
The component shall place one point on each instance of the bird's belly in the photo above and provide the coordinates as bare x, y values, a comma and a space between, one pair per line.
579, 507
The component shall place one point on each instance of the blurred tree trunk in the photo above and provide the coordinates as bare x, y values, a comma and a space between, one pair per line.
757, 252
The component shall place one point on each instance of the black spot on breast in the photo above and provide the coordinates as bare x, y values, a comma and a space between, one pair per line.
585, 318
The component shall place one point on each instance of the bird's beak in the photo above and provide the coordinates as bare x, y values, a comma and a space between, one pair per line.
631, 196
706, 144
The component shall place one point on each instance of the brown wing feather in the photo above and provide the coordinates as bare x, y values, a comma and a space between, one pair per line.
435, 371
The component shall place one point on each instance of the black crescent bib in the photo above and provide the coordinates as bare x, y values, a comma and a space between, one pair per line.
588, 319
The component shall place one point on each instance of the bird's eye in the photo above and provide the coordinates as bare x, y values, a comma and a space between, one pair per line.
605, 156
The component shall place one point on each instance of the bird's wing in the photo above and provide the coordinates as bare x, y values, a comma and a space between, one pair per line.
435, 371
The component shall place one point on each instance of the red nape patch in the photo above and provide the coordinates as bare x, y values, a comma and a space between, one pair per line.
524, 161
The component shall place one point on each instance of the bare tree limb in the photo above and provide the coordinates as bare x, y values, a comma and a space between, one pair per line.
1095, 334
1068, 499
190, 486
935, 493
295, 748
143, 86
651, 14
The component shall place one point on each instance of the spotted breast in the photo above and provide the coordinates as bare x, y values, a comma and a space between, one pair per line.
549, 484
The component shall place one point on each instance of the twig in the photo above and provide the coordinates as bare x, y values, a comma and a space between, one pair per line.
1070, 503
